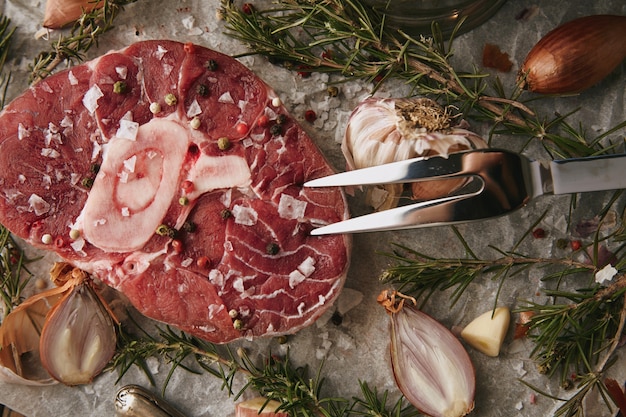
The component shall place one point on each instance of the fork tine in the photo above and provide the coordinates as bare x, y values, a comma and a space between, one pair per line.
427, 213
410, 170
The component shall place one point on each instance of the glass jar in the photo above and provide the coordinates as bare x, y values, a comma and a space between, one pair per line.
416, 16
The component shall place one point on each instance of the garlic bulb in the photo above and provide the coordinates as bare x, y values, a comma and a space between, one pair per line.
430, 365
381, 130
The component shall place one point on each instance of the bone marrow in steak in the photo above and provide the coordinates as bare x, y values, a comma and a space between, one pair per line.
156, 168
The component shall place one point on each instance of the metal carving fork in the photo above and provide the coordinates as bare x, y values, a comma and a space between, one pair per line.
499, 182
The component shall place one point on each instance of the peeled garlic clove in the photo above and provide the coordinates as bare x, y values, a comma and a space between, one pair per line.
430, 365
259, 406
19, 341
575, 55
78, 338
486, 332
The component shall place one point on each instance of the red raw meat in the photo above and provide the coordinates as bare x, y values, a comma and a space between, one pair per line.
146, 168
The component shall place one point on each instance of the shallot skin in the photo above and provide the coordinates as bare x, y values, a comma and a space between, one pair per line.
575, 56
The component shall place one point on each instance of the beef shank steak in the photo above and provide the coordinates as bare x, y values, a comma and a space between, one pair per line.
172, 173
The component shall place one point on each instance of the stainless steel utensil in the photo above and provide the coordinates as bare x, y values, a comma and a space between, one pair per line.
499, 182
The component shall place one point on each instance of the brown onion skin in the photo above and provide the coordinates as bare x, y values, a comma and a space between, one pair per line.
575, 55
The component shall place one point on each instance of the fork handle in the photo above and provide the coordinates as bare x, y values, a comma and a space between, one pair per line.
597, 173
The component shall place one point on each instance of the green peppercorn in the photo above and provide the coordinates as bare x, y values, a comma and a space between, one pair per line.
332, 91
225, 214
170, 99
120, 87
87, 182
223, 143
165, 230
94, 168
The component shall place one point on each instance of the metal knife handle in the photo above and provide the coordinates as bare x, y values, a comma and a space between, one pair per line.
597, 173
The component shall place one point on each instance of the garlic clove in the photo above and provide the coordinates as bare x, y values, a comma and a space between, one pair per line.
575, 55
486, 332
430, 365
78, 338
259, 406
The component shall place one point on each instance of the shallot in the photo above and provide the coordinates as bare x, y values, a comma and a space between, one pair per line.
430, 365
575, 55
67, 333
381, 130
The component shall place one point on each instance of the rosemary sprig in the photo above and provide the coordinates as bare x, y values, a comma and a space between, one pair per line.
14, 276
84, 34
351, 39
276, 378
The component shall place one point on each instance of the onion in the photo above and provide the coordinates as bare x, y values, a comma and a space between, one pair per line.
380, 131
430, 365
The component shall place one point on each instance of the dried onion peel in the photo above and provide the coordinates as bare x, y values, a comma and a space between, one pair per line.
430, 365
382, 130
575, 55
19, 341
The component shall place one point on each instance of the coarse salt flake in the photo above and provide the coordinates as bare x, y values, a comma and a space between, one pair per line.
22, 132
129, 164
307, 267
238, 285
91, 97
290, 207
295, 278
122, 72
245, 215
605, 274
160, 52
125, 212
38, 205
50, 153
226, 98
72, 78
127, 130
194, 109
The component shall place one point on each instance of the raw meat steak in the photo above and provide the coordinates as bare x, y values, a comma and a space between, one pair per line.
171, 173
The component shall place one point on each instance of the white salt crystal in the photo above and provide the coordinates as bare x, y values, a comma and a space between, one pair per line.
307, 267
72, 78
194, 109
290, 207
38, 204
127, 130
226, 98
245, 215
295, 278
122, 72
90, 99
605, 274
129, 164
